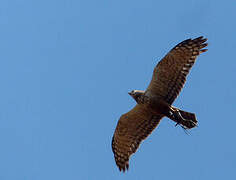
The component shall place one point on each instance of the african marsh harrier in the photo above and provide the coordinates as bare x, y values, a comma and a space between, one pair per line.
153, 104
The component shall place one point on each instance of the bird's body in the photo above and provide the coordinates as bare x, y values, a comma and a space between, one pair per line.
156, 101
155, 105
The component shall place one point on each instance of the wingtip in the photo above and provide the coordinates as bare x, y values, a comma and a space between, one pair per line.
124, 167
198, 38
201, 41
203, 50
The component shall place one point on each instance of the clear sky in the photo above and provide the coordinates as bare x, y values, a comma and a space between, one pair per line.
66, 67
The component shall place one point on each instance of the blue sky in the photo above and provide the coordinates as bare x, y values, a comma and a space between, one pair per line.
67, 65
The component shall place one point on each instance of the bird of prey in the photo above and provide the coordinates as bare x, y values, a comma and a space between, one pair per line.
156, 101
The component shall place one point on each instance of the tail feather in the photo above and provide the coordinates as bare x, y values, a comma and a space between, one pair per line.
186, 119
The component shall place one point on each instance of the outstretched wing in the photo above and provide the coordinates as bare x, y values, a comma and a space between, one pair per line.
170, 73
132, 128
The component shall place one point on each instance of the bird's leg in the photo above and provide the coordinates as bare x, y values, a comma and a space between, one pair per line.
175, 114
179, 116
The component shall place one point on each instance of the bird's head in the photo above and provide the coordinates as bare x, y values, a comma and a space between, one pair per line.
136, 94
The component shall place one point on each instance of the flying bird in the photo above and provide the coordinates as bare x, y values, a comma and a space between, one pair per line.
156, 101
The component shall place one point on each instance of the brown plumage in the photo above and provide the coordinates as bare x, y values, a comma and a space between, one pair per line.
170, 73
153, 104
